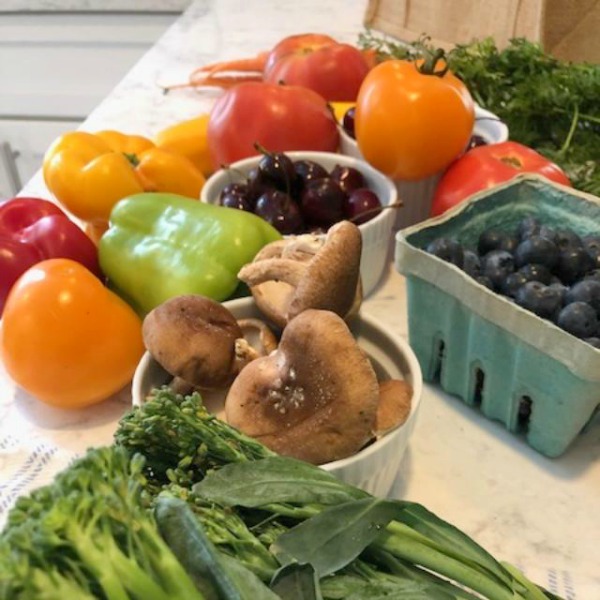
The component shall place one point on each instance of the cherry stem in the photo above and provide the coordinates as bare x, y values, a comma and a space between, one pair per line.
260, 148
395, 205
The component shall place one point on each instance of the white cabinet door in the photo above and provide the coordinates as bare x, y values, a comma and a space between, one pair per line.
61, 65
22, 148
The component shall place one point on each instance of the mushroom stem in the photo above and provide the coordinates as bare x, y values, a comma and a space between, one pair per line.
278, 269
266, 338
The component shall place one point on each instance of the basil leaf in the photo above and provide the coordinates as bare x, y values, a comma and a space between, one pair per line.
335, 537
275, 479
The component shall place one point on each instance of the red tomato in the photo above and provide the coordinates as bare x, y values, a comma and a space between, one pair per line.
278, 117
318, 62
486, 166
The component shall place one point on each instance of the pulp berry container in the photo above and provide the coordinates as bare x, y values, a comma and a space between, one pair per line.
418, 195
516, 367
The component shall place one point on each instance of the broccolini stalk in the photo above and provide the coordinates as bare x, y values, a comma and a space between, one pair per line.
89, 531
229, 533
181, 440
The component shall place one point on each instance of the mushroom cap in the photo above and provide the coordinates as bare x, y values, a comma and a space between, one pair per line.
193, 338
315, 398
293, 275
395, 399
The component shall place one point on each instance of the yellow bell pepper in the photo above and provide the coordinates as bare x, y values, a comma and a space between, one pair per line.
125, 143
89, 173
87, 177
189, 139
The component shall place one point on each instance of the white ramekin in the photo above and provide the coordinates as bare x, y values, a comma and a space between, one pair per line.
376, 233
374, 468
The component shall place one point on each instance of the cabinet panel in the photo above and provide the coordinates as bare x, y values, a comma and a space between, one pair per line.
62, 65
26, 141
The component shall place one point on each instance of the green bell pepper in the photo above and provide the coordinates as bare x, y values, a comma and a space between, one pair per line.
163, 245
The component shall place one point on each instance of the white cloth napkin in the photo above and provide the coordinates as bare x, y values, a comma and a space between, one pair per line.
26, 465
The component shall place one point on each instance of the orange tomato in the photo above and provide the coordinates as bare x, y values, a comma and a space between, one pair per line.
66, 339
412, 119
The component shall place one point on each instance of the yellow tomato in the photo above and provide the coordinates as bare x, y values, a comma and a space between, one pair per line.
66, 339
412, 118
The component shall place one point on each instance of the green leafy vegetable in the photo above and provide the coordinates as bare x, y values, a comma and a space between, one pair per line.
335, 536
90, 535
278, 478
184, 506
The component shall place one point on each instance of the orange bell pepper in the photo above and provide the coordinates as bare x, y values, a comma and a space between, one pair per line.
66, 338
89, 173
189, 139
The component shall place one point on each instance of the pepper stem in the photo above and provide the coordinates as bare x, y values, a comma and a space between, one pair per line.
132, 158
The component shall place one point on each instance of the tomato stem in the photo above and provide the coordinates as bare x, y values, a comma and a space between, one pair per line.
430, 63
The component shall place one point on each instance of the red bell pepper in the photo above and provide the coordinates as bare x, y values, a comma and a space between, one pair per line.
487, 166
32, 230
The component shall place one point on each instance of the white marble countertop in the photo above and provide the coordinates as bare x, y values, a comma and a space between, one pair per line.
541, 514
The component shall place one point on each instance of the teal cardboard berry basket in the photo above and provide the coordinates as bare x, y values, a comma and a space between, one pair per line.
524, 371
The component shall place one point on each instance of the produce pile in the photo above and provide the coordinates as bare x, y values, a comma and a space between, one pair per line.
184, 507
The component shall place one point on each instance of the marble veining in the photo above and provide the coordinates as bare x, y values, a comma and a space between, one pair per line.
533, 511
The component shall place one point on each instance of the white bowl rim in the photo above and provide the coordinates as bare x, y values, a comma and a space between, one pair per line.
365, 453
362, 165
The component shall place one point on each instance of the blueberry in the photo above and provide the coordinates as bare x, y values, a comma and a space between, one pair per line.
593, 341
536, 272
592, 244
528, 226
512, 283
573, 263
588, 291
567, 238
471, 263
594, 274
447, 249
561, 290
496, 239
497, 265
536, 249
579, 319
539, 299
485, 281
